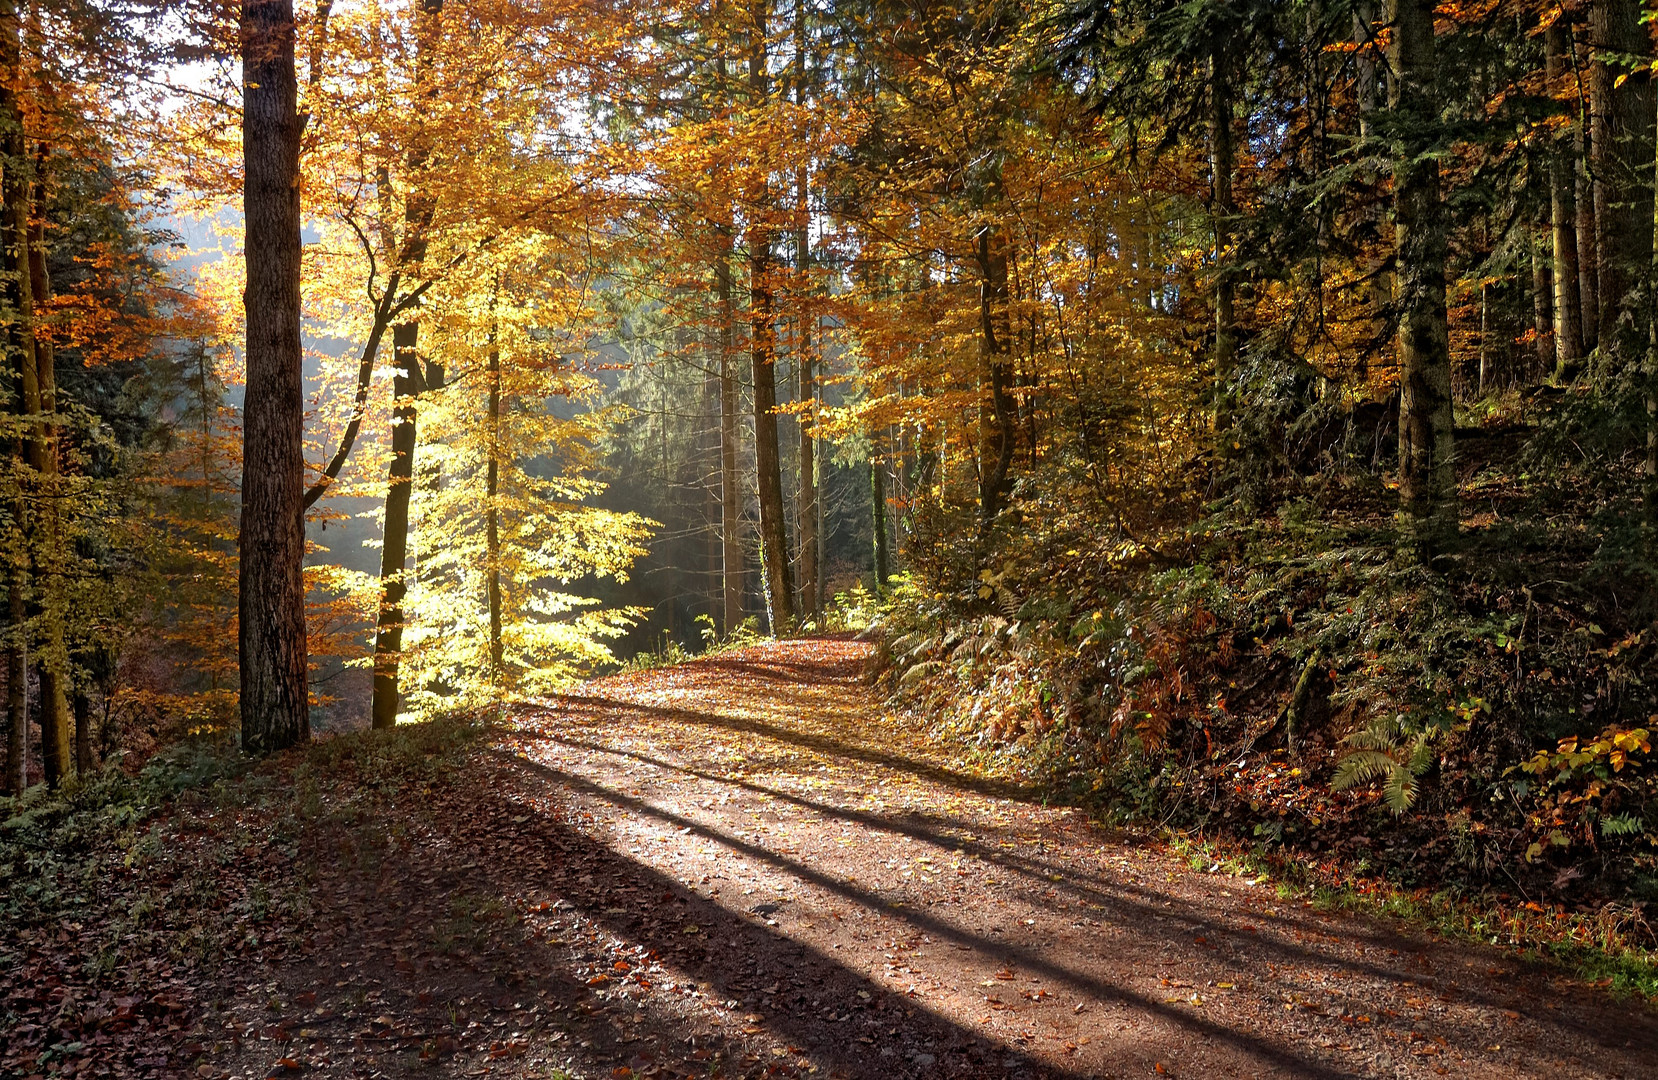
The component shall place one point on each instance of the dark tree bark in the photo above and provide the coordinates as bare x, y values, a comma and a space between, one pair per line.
774, 541
1427, 484
13, 193
49, 548
394, 549
84, 758
878, 520
811, 604
997, 424
411, 379
1542, 298
271, 641
17, 687
1568, 295
1622, 107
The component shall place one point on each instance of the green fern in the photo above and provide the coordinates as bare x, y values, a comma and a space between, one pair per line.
1393, 751
1621, 825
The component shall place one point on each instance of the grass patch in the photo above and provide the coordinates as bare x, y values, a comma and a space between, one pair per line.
1609, 949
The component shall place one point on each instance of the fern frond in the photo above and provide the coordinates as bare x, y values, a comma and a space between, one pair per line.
1374, 736
1361, 767
1400, 790
919, 672
1621, 825
1421, 755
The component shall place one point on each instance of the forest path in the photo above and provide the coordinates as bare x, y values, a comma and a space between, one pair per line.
743, 866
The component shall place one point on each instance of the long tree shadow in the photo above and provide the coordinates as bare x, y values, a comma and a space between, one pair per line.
1141, 903
601, 709
1593, 1023
1006, 953
432, 941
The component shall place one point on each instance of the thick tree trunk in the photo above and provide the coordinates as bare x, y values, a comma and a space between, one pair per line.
1221, 212
1568, 302
394, 549
1621, 96
271, 640
1427, 483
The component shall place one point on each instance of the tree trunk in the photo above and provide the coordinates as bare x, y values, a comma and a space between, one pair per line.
1221, 211
1568, 303
1426, 478
811, 604
1621, 99
878, 520
1378, 290
56, 730
767, 464
406, 385
17, 686
774, 543
20, 372
84, 763
997, 424
732, 570
492, 513
1542, 296
271, 639
394, 549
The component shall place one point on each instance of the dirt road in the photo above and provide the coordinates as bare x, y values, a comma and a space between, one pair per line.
742, 866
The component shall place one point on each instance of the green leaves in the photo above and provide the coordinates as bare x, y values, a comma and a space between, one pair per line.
1395, 751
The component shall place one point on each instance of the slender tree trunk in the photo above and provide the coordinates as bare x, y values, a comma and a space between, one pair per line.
998, 422
492, 513
811, 604
1568, 302
84, 760
878, 519
394, 549
767, 463
774, 543
1427, 483
1542, 295
1588, 244
40, 524
17, 684
1379, 288
1221, 211
49, 551
407, 384
19, 370
731, 540
1622, 105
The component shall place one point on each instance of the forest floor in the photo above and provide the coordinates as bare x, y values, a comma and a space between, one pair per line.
745, 866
